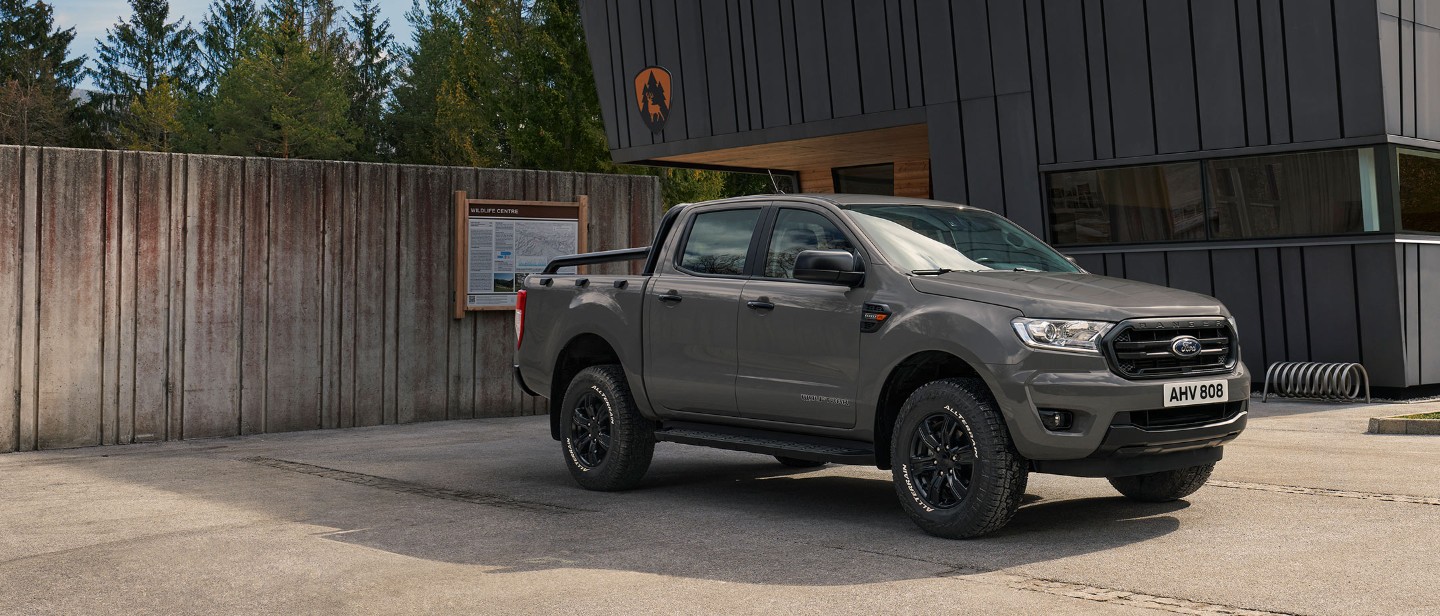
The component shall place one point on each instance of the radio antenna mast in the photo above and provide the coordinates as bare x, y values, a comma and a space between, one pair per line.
774, 184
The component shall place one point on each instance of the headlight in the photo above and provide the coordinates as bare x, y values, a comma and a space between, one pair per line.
1059, 335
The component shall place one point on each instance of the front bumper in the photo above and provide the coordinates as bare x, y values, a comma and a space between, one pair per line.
1085, 386
1131, 450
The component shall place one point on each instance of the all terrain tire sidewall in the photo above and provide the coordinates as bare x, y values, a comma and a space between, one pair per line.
632, 437
998, 478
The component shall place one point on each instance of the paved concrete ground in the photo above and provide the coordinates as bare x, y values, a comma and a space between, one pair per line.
1306, 515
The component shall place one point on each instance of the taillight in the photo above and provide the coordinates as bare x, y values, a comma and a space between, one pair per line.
519, 317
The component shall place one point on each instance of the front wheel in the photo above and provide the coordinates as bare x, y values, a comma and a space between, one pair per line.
1164, 486
955, 469
607, 443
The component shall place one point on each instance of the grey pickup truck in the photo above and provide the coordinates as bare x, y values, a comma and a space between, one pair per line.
939, 341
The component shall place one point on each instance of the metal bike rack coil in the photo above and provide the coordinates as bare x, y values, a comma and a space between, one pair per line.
1324, 381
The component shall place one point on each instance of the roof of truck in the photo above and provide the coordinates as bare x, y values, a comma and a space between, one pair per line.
841, 199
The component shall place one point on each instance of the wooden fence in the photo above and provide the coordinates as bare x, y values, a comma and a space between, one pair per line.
148, 297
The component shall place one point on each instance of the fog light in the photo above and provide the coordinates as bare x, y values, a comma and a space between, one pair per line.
1056, 420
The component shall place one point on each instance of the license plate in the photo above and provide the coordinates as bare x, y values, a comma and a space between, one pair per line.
1200, 392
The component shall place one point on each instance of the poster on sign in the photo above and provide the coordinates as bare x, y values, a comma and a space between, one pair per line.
499, 243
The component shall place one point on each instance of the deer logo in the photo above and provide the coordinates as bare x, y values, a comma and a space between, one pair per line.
652, 95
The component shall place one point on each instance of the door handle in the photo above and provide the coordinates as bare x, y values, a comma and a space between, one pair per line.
671, 297
759, 305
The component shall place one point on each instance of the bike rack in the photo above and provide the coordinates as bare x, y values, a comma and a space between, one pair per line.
1325, 381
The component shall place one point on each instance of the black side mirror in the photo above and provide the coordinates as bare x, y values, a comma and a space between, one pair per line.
831, 266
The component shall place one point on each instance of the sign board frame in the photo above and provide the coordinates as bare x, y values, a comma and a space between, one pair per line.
579, 209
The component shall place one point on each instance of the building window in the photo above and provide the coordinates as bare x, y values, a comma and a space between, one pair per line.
866, 180
1314, 193
1311, 193
1420, 191
1129, 204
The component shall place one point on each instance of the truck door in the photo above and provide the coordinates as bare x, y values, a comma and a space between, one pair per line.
799, 343
691, 313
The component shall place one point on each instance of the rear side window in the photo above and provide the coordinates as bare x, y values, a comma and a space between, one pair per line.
719, 242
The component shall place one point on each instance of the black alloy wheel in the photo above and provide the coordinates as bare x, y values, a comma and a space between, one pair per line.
590, 430
942, 461
606, 442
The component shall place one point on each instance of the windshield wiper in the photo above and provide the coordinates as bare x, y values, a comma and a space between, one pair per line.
931, 272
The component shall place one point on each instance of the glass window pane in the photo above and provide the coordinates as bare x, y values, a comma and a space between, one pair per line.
797, 231
1420, 191
719, 241
867, 180
1312, 193
1132, 204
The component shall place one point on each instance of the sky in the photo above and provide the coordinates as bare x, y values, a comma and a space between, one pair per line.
91, 18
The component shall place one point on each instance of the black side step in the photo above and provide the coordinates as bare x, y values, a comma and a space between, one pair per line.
803, 447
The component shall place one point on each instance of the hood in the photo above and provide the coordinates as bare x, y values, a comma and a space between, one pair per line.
1070, 296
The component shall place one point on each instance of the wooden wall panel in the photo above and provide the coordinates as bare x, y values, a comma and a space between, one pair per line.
212, 317
29, 180
425, 282
11, 225
374, 185
158, 296
71, 260
293, 381
110, 299
255, 226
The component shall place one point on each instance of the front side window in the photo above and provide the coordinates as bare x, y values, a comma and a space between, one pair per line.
797, 231
719, 242
939, 238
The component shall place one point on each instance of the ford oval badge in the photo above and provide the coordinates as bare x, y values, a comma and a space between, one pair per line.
1184, 346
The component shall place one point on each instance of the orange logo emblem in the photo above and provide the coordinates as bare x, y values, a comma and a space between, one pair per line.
652, 96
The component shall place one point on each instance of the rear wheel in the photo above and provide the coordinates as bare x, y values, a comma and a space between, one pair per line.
606, 442
1164, 486
955, 469
798, 463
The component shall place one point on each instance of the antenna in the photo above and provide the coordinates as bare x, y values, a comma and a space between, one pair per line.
773, 184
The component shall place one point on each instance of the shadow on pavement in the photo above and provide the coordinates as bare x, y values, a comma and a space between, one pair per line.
700, 513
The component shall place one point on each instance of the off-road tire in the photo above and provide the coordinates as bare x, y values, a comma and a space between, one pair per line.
997, 474
1164, 486
798, 463
631, 437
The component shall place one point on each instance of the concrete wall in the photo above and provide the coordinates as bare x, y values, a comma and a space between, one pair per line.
148, 297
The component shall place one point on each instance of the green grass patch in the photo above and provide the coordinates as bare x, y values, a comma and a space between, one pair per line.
1421, 416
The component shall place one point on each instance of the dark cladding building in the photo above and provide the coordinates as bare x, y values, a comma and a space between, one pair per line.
1282, 155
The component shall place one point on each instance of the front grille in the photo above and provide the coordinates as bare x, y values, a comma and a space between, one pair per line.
1182, 417
1140, 348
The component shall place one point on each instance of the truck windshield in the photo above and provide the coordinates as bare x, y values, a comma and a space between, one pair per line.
934, 239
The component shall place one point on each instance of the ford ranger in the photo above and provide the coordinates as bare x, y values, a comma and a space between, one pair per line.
939, 341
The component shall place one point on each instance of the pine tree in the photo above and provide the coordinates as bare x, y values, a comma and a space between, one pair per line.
428, 62
371, 78
561, 108
135, 57
37, 76
287, 98
227, 32
154, 121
